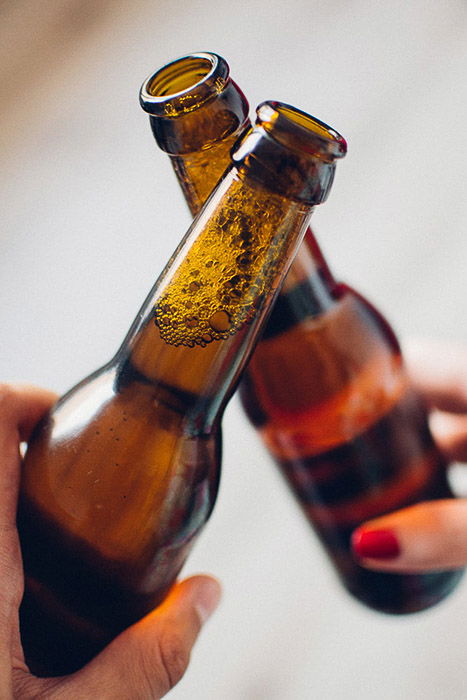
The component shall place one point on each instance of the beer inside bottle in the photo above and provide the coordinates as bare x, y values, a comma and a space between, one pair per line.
122, 475
326, 386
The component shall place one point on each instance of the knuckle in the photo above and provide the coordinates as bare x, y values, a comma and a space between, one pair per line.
174, 656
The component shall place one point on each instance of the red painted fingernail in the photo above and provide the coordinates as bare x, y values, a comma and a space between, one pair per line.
375, 544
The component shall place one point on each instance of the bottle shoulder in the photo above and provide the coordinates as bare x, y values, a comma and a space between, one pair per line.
309, 310
341, 363
369, 309
110, 455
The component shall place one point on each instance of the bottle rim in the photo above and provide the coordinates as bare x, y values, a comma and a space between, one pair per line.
300, 131
184, 84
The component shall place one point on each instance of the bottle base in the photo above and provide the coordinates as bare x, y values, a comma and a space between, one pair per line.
402, 594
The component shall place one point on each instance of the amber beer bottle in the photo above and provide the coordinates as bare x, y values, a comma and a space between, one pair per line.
123, 473
326, 386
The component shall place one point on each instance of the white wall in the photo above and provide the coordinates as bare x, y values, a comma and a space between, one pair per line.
91, 211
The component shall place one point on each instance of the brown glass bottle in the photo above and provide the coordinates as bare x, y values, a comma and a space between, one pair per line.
122, 475
326, 386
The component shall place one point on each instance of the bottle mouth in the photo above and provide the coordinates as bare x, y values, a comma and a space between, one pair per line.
300, 131
184, 84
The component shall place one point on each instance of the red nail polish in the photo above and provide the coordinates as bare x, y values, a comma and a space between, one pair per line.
375, 544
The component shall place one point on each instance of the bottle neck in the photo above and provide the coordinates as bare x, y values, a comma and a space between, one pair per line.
199, 172
200, 136
199, 144
308, 290
198, 326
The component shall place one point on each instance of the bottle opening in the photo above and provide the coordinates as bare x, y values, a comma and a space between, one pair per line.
180, 76
184, 84
299, 130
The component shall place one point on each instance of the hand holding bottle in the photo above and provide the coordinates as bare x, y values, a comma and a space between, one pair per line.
147, 659
432, 535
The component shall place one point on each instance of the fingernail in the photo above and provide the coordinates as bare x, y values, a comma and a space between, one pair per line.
375, 544
208, 597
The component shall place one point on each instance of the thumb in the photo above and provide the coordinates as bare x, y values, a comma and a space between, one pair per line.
149, 658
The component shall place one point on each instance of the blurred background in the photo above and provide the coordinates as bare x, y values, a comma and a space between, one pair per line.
91, 211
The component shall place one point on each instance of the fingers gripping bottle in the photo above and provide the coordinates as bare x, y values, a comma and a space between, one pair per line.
122, 475
326, 386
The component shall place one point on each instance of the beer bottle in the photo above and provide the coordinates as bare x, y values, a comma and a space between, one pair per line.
326, 386
122, 475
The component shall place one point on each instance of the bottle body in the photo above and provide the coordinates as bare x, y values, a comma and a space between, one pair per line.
119, 481
328, 393
120, 478
115, 490
326, 386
